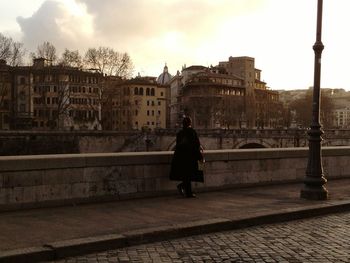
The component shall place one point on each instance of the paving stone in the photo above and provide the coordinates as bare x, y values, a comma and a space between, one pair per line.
320, 239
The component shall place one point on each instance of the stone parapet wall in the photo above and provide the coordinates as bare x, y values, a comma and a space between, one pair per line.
65, 142
47, 180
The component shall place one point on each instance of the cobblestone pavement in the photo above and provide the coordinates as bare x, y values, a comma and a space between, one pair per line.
320, 239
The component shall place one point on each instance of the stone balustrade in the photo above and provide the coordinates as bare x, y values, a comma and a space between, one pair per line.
49, 180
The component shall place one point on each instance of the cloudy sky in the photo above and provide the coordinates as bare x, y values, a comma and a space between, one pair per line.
278, 33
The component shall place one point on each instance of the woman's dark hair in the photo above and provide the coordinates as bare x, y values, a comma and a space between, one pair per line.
186, 122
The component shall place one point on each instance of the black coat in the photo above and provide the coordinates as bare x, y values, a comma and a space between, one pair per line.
186, 155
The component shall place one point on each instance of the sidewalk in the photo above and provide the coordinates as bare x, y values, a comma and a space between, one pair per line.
43, 234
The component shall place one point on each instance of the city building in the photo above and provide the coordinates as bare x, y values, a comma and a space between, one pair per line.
341, 118
55, 97
111, 107
138, 103
229, 95
5, 95
47, 97
214, 100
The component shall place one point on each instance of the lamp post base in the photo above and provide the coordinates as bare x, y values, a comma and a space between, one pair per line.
319, 193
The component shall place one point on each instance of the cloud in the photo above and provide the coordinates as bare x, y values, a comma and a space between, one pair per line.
279, 34
151, 31
155, 31
56, 23
126, 20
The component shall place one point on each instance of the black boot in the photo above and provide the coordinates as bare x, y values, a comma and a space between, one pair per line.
180, 188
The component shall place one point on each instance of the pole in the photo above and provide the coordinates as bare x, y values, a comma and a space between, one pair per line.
314, 181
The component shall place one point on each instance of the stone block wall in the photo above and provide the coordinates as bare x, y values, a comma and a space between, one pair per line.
47, 180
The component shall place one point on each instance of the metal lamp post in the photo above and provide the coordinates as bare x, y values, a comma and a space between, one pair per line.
314, 181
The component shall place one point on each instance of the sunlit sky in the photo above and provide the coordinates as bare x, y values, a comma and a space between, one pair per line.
278, 33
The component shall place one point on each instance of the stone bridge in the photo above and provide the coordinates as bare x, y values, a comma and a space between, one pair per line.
253, 138
30, 142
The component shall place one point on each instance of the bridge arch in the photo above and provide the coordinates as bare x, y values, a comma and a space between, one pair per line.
250, 144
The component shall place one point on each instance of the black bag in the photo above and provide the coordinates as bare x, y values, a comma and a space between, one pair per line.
198, 176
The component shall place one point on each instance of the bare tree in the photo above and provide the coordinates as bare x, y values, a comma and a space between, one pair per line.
5, 47
108, 61
46, 50
4, 92
111, 63
59, 103
11, 51
17, 54
204, 110
303, 109
63, 103
71, 59
231, 111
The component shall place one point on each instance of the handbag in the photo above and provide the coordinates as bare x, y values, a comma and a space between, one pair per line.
198, 176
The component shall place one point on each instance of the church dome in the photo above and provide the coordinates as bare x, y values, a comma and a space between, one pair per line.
165, 77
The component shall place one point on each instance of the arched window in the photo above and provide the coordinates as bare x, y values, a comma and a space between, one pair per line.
141, 91
147, 92
136, 91
152, 92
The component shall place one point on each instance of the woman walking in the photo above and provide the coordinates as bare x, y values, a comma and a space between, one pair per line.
184, 165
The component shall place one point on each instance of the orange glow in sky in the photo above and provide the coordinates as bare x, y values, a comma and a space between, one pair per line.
278, 33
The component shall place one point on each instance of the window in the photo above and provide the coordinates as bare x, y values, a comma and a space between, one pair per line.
161, 94
6, 105
141, 91
148, 113
136, 91
22, 108
152, 103
159, 103
22, 95
152, 92
147, 92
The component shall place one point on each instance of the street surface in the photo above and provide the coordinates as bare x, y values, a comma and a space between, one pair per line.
320, 239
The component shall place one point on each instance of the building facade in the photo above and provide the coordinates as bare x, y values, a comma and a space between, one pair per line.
5, 95
229, 95
138, 103
214, 100
342, 118
47, 97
